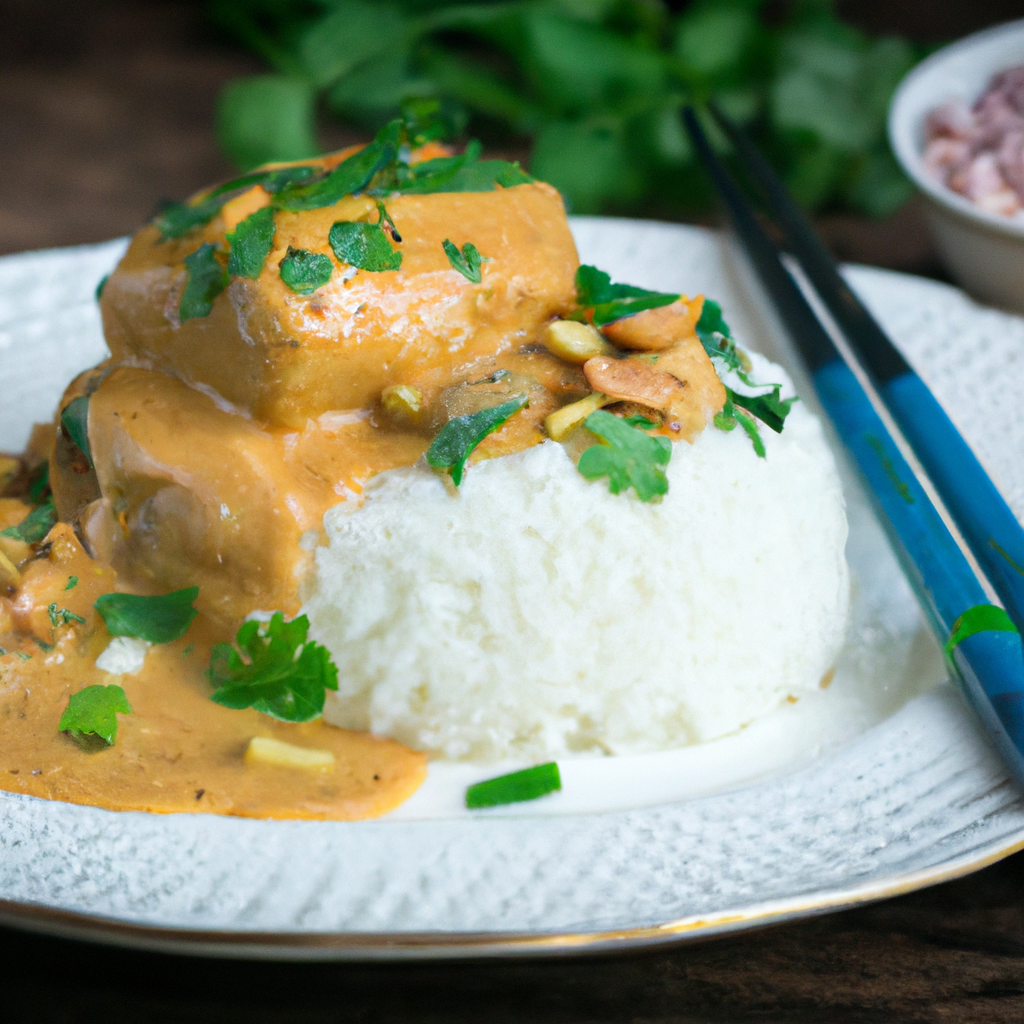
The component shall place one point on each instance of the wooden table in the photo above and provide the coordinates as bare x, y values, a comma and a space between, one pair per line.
105, 110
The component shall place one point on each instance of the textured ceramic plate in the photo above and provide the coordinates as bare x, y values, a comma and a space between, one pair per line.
915, 798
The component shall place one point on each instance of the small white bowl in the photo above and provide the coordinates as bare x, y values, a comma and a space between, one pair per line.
983, 251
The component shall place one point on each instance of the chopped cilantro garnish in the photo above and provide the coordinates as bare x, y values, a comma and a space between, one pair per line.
769, 408
467, 262
60, 616
351, 175
94, 711
433, 175
365, 246
515, 787
40, 483
177, 219
464, 175
273, 668
715, 335
251, 243
35, 526
606, 302
99, 288
71, 583
158, 619
459, 437
74, 419
629, 457
304, 271
640, 421
730, 417
206, 279
270, 181
978, 619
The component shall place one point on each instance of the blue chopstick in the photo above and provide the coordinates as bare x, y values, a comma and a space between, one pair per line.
990, 528
989, 664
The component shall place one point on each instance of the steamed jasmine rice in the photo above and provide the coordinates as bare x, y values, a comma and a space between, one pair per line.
535, 615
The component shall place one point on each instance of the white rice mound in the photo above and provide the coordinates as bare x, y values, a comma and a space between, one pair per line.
536, 615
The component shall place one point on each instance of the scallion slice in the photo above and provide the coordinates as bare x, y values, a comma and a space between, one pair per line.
515, 787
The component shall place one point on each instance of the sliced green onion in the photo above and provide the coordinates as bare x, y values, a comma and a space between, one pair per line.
516, 787
979, 619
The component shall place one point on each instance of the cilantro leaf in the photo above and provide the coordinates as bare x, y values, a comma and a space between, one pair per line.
730, 417
270, 181
459, 437
35, 526
471, 175
94, 711
980, 618
769, 408
515, 787
177, 219
609, 302
304, 271
158, 619
467, 262
74, 419
351, 175
629, 457
281, 674
363, 245
251, 242
433, 175
40, 483
99, 288
715, 335
206, 280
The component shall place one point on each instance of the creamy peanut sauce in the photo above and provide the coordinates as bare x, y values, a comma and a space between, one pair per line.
219, 443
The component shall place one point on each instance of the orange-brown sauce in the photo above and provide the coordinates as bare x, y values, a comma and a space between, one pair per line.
218, 443
177, 750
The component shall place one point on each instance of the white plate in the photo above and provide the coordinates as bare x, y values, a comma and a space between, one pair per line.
916, 798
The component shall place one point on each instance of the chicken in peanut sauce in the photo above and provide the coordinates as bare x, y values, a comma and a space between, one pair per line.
275, 343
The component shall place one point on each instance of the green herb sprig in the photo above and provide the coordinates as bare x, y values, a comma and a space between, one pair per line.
467, 262
35, 526
74, 419
979, 619
251, 242
275, 669
596, 88
603, 303
366, 246
460, 436
628, 457
93, 712
528, 784
304, 271
158, 619
205, 279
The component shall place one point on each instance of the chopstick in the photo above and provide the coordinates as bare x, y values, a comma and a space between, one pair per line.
987, 523
988, 663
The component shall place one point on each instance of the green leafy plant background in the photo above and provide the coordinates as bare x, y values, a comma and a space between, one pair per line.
592, 87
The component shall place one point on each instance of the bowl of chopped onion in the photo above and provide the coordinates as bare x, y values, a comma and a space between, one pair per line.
956, 125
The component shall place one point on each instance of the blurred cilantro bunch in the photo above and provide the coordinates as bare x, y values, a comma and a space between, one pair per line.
594, 87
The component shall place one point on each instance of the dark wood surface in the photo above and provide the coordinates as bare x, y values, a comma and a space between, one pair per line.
105, 110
